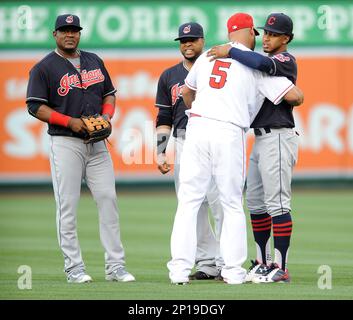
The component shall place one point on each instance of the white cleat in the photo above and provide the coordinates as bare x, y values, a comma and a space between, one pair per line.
79, 277
121, 275
234, 281
180, 282
256, 270
274, 274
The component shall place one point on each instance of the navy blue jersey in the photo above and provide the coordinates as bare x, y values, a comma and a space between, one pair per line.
55, 82
169, 98
280, 116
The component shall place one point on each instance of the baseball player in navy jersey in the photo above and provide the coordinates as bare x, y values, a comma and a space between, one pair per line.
171, 113
274, 154
63, 86
224, 97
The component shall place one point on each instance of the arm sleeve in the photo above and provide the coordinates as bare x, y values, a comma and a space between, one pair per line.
273, 88
33, 106
164, 117
108, 85
38, 86
253, 60
162, 142
163, 102
163, 96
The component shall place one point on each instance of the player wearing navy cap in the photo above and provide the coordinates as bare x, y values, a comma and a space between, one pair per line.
171, 113
274, 154
63, 86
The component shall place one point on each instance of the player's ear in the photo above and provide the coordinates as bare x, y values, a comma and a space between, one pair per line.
54, 33
286, 39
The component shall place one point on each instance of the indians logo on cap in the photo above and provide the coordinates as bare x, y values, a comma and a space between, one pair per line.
271, 21
69, 19
187, 29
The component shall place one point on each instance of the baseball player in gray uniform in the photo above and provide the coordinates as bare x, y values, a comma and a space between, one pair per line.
62, 87
274, 154
224, 97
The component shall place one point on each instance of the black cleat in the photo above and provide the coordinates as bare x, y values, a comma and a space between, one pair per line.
219, 277
200, 275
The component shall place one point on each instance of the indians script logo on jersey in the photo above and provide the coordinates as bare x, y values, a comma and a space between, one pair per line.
89, 78
177, 92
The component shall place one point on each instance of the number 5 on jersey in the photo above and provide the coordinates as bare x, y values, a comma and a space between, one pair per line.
219, 75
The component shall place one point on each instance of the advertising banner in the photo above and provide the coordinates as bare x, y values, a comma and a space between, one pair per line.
324, 121
151, 24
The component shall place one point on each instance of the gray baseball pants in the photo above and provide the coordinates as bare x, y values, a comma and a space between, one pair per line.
272, 160
72, 161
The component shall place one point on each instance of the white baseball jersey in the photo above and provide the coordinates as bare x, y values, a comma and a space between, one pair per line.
245, 88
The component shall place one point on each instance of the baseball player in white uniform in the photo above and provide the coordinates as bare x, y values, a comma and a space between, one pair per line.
171, 113
225, 97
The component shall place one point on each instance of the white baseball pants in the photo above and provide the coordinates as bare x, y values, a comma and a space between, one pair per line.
208, 257
212, 150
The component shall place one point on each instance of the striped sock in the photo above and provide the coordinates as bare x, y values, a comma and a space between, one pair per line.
261, 226
282, 231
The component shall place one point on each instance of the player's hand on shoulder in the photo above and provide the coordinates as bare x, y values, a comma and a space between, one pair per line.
218, 52
77, 125
163, 165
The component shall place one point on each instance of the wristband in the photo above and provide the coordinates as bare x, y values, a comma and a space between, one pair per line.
162, 142
59, 119
108, 108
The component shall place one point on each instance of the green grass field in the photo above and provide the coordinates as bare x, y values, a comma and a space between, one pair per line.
323, 235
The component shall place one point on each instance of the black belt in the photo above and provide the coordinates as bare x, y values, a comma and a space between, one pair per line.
259, 133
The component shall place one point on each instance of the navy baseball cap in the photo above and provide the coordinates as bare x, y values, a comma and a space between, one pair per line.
279, 23
190, 30
67, 20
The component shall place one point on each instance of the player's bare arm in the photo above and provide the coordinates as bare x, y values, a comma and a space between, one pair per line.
75, 124
294, 96
218, 52
188, 96
163, 134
